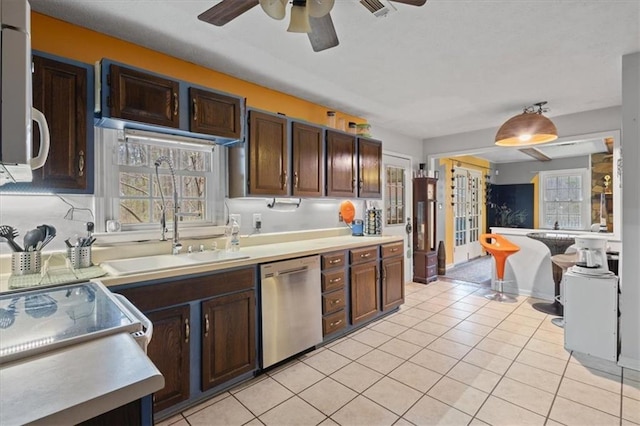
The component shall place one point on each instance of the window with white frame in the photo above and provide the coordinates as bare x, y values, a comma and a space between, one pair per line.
137, 193
395, 196
565, 198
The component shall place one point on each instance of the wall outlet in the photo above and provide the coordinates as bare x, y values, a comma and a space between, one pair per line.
236, 217
257, 221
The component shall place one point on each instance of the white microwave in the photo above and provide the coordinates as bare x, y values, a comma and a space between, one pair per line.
16, 157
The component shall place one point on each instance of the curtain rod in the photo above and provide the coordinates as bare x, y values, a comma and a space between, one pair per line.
470, 164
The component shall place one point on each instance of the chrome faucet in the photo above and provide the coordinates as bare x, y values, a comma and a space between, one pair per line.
176, 246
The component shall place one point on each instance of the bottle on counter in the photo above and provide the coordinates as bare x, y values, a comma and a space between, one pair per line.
235, 236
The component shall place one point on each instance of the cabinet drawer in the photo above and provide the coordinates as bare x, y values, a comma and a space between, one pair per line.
432, 271
432, 259
394, 249
334, 322
332, 280
332, 260
333, 301
363, 255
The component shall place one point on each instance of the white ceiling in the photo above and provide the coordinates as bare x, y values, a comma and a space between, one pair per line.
447, 67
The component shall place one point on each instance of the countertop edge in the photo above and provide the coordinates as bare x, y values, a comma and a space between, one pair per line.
258, 254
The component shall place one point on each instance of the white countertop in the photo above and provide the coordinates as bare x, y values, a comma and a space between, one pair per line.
260, 254
76, 383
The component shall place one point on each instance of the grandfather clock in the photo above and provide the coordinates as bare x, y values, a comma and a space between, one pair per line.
425, 262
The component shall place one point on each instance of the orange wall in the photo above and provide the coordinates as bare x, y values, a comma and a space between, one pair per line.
468, 162
71, 41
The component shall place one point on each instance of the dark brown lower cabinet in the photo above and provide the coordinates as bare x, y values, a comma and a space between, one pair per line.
169, 351
228, 337
365, 302
392, 282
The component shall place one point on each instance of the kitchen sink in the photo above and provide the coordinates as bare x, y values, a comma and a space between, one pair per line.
137, 265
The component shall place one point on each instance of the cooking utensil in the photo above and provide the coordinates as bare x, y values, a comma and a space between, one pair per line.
9, 233
40, 305
8, 316
32, 238
49, 233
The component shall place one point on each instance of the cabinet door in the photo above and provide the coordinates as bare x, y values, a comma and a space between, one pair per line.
60, 92
365, 302
392, 282
370, 168
308, 161
341, 165
228, 343
214, 114
169, 351
143, 97
268, 154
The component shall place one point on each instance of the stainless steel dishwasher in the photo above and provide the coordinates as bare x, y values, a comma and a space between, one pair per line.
291, 308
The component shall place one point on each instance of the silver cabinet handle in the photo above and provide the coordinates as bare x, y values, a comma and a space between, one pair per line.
335, 280
286, 178
334, 261
175, 103
333, 324
195, 109
365, 255
295, 179
81, 163
187, 330
395, 249
206, 324
335, 301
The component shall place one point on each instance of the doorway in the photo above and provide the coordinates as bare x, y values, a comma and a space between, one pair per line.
397, 196
467, 214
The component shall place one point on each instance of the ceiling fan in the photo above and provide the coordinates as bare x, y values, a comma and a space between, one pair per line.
307, 16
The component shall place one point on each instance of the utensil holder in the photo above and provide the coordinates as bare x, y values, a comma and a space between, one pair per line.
26, 262
79, 257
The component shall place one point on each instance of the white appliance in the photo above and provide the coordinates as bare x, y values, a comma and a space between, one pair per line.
42, 320
16, 158
592, 256
591, 314
291, 308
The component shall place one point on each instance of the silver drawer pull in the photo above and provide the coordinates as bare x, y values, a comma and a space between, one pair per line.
333, 324
365, 255
393, 250
335, 280
334, 261
335, 301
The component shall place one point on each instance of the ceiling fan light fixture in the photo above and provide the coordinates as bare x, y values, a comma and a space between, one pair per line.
319, 8
299, 22
274, 8
528, 128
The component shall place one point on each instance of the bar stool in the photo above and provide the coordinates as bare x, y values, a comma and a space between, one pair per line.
564, 261
500, 248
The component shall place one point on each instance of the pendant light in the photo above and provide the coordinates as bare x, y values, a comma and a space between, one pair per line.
528, 128
299, 22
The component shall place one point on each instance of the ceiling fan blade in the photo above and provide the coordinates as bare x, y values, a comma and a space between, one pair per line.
225, 11
323, 34
411, 2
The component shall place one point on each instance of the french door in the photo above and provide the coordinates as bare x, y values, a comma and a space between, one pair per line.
467, 214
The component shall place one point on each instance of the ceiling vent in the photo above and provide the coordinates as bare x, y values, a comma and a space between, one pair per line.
379, 8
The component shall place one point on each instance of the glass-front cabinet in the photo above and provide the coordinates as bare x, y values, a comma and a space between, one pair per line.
424, 230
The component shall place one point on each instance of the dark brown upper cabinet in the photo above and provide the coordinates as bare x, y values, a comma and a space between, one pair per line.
369, 168
60, 93
308, 160
214, 114
143, 97
341, 164
268, 154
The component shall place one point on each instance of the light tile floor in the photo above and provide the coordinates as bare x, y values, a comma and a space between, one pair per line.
448, 356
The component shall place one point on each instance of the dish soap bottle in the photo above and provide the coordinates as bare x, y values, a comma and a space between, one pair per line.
235, 236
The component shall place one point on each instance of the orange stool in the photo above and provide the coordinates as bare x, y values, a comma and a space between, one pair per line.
500, 248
